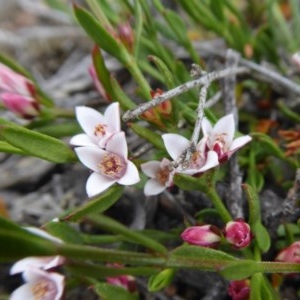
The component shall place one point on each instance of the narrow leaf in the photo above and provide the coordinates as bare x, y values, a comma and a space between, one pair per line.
96, 204
188, 183
133, 236
37, 144
161, 280
108, 291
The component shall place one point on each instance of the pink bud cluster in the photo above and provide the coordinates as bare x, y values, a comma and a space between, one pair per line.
236, 233
18, 93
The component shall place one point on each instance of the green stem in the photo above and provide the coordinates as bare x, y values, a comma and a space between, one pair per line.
218, 204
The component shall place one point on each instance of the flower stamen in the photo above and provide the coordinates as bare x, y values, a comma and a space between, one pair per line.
100, 130
112, 166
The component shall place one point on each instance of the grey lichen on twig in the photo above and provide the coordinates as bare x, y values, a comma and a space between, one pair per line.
137, 111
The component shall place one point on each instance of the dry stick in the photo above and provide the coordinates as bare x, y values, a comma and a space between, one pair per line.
269, 75
135, 112
234, 193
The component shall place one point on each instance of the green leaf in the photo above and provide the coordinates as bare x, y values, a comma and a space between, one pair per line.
188, 183
255, 287
37, 144
111, 225
7, 148
149, 135
109, 292
254, 204
268, 145
60, 130
262, 237
17, 243
120, 96
203, 258
240, 270
290, 114
100, 35
96, 204
161, 280
64, 232
102, 72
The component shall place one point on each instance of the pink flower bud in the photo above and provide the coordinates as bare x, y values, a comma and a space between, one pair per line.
205, 236
238, 234
126, 35
290, 254
239, 290
23, 106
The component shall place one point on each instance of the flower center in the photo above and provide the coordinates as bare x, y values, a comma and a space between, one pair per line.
219, 145
163, 175
112, 166
42, 289
100, 130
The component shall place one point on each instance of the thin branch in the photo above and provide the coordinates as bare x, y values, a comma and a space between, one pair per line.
134, 113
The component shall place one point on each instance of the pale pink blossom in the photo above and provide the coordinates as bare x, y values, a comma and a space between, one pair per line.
98, 128
12, 82
23, 106
290, 254
205, 235
160, 174
18, 93
220, 138
238, 234
109, 166
97, 83
200, 160
43, 262
39, 285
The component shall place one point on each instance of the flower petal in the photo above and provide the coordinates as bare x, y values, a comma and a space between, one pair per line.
212, 161
151, 168
240, 142
112, 117
89, 118
22, 264
225, 125
117, 144
90, 156
97, 183
131, 175
82, 139
206, 127
175, 144
23, 292
153, 187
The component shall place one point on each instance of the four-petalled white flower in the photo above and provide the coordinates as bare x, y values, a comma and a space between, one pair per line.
220, 138
109, 166
98, 128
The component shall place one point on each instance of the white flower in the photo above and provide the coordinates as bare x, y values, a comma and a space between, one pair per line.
201, 161
40, 285
43, 262
220, 138
109, 166
98, 128
160, 176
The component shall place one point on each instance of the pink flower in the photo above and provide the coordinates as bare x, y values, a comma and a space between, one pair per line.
220, 138
239, 290
205, 236
40, 285
98, 128
109, 166
43, 262
98, 85
200, 161
160, 174
290, 254
18, 93
23, 106
238, 234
